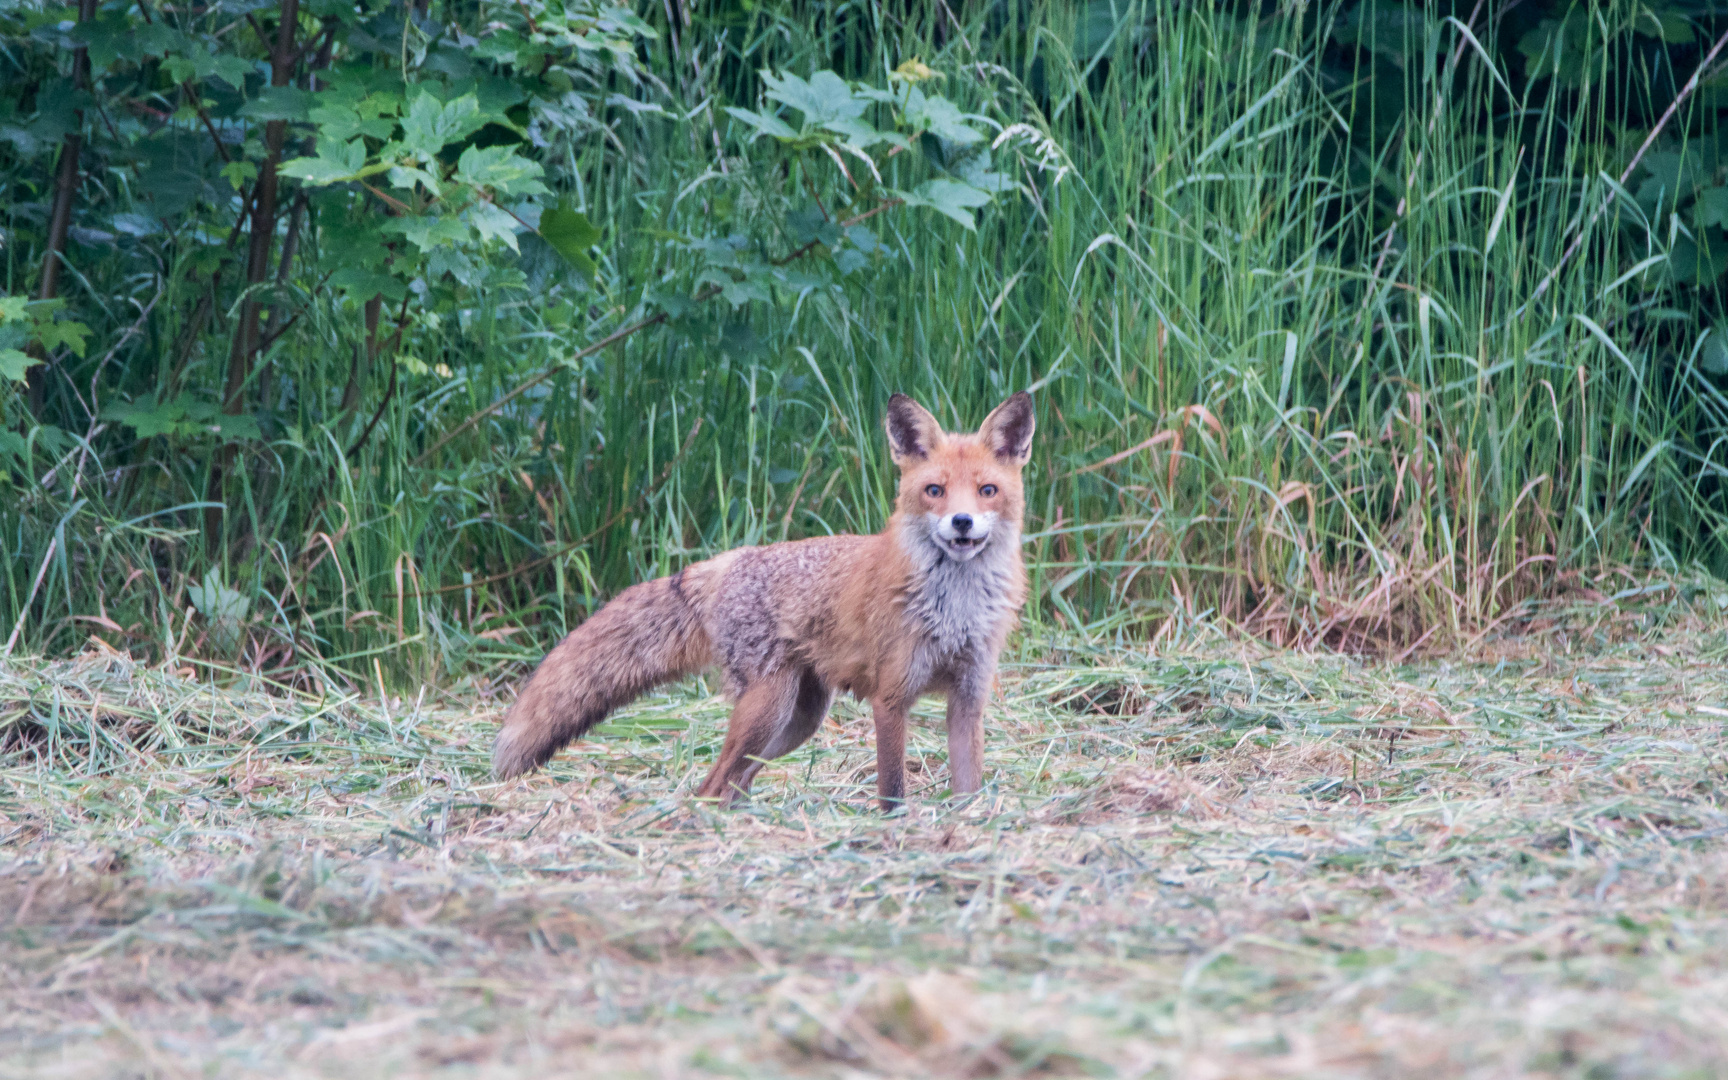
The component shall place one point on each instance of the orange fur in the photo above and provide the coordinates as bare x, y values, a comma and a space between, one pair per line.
923, 606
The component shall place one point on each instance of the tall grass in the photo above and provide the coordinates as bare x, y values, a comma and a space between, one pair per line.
1308, 358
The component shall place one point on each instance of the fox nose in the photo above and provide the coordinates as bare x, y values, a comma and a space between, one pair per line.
962, 523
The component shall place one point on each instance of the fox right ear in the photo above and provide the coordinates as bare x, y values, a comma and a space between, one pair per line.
912, 431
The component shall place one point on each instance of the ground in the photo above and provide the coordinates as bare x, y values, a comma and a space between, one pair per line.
1220, 861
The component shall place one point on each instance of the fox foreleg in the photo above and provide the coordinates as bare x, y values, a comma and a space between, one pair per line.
966, 702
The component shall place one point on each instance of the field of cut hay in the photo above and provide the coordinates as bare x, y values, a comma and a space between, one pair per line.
1219, 861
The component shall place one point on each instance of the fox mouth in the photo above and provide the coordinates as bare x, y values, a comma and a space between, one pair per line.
964, 546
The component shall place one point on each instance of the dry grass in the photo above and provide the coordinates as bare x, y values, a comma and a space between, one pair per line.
1219, 861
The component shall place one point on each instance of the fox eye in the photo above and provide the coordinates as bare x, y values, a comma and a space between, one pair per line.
988, 490
934, 491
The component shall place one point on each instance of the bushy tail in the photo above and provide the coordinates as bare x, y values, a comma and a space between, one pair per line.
649, 634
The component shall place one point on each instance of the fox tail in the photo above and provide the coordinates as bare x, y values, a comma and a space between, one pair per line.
649, 634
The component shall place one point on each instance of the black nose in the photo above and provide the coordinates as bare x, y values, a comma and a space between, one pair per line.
962, 523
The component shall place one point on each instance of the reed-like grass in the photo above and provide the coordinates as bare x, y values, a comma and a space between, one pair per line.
1310, 355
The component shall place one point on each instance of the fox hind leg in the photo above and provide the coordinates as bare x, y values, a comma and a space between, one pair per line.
808, 712
890, 717
762, 723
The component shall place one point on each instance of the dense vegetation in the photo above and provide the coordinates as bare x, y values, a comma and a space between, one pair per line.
361, 337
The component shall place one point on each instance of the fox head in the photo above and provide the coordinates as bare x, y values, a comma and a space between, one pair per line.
961, 492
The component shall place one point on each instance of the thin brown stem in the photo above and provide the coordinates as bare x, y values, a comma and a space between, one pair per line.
377, 414
395, 341
260, 239
1626, 174
262, 232
66, 181
190, 93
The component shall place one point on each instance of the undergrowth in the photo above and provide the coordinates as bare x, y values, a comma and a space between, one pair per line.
1350, 325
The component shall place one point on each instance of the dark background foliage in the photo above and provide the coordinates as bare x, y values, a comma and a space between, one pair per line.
374, 341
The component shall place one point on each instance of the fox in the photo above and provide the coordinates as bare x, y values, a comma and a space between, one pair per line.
922, 607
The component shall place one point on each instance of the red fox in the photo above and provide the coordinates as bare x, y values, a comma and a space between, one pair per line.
922, 606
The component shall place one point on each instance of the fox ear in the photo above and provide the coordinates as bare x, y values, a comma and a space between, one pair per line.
1008, 430
912, 431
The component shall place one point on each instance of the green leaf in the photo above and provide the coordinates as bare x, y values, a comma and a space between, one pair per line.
764, 125
1711, 208
864, 240
715, 277
179, 69
66, 332
824, 99
335, 162
672, 303
809, 224
721, 252
107, 38
407, 176
739, 340
1714, 356
216, 601
499, 45
571, 235
340, 123
432, 125
239, 172
859, 135
229, 68
13, 308
975, 171
279, 103
948, 197
492, 223
427, 232
1400, 35
451, 260
637, 108
1670, 27
850, 259
619, 19
158, 39
1695, 264
343, 112
13, 364
1673, 172
1559, 47
363, 284
738, 293
501, 169
236, 427
939, 116
149, 418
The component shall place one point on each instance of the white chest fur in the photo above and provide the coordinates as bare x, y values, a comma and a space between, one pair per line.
961, 604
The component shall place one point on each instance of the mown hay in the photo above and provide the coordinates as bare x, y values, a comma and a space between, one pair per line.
1245, 865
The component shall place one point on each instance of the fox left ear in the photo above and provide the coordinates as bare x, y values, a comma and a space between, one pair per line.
1007, 431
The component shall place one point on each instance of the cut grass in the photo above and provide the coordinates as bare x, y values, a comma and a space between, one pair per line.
1220, 861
